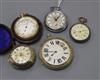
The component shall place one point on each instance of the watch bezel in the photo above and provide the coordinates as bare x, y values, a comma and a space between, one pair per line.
80, 41
56, 67
56, 30
32, 39
26, 65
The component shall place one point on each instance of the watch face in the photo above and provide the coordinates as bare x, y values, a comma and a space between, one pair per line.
5, 39
56, 21
26, 28
22, 55
80, 32
56, 53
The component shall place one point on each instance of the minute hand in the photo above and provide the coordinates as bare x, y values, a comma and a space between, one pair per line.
54, 53
57, 18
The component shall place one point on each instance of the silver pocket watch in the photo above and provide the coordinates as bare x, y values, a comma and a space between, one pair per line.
80, 32
56, 20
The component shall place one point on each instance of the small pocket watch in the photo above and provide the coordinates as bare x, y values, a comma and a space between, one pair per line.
56, 53
55, 20
26, 28
22, 57
80, 32
6, 41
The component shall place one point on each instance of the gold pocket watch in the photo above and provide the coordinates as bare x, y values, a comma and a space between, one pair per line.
26, 28
56, 53
22, 57
55, 20
80, 32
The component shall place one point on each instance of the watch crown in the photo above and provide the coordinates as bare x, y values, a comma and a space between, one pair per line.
55, 8
22, 14
83, 20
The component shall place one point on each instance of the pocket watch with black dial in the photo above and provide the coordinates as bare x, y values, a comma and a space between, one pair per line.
56, 20
26, 28
56, 53
22, 57
6, 41
80, 32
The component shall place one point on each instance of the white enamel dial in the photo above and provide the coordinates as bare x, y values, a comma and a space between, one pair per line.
56, 52
21, 55
26, 27
80, 32
56, 20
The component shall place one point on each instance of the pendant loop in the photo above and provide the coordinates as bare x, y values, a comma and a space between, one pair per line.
83, 19
59, 2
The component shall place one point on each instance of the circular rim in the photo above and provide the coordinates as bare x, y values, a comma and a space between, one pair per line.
56, 30
25, 65
56, 67
80, 41
31, 39
11, 41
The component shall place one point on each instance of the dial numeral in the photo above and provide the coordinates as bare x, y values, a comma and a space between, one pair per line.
63, 57
49, 59
46, 55
62, 44
57, 42
47, 45
54, 61
65, 48
59, 60
52, 43
45, 50
65, 53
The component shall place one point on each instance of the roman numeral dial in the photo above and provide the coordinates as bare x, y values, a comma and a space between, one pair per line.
57, 53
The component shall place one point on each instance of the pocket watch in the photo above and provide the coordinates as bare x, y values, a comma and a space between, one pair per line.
6, 41
22, 57
26, 28
56, 53
80, 32
55, 20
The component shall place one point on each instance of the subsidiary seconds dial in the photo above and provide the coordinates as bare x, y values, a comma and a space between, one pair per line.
56, 54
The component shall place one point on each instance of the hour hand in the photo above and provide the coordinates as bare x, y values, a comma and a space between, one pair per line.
56, 18
54, 53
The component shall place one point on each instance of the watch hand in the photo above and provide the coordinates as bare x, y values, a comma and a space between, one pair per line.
54, 53
56, 18
25, 28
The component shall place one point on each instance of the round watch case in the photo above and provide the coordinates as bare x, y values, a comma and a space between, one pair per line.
56, 67
26, 64
31, 39
82, 21
54, 10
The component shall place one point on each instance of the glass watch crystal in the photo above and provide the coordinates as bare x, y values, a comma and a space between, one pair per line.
56, 53
22, 57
